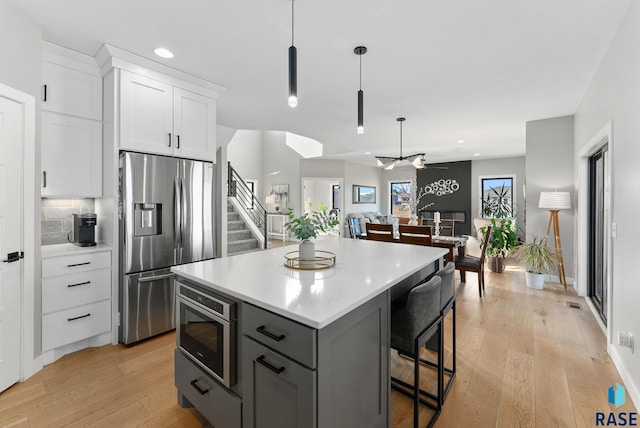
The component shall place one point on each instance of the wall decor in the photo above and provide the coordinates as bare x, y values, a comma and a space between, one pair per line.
281, 192
364, 194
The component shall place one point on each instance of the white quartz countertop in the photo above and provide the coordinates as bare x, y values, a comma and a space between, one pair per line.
363, 270
66, 249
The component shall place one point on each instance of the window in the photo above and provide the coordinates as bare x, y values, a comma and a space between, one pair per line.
400, 198
497, 195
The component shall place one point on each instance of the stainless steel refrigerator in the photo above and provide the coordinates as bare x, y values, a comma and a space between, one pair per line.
166, 219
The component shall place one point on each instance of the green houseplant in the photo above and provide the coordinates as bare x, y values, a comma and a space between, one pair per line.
307, 226
537, 259
502, 239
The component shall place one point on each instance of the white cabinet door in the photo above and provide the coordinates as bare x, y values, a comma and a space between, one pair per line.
71, 156
194, 123
71, 92
146, 114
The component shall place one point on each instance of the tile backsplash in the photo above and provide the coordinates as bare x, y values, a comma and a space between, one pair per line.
56, 216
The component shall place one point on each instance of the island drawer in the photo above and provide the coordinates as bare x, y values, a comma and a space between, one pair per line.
75, 263
221, 407
288, 337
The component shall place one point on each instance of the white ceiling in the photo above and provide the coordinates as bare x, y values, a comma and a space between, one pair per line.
456, 69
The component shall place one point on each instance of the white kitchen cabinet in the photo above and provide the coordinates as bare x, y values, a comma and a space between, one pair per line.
156, 117
194, 123
71, 156
146, 114
69, 91
76, 296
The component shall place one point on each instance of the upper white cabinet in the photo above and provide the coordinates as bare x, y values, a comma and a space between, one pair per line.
156, 117
69, 91
71, 124
71, 156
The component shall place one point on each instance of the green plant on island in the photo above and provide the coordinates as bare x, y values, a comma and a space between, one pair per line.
308, 225
536, 256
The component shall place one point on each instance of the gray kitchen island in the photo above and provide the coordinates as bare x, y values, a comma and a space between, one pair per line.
302, 348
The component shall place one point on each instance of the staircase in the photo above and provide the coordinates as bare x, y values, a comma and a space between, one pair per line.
239, 238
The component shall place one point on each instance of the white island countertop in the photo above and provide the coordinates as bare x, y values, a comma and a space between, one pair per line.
363, 270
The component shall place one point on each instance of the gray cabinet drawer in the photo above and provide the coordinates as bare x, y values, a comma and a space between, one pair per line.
292, 339
278, 392
220, 407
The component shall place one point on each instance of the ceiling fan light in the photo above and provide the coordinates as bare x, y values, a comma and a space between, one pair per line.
380, 163
417, 163
390, 166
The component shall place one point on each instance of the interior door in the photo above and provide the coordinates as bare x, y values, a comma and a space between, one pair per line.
597, 269
11, 141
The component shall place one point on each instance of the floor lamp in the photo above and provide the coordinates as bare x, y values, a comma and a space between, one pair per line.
554, 202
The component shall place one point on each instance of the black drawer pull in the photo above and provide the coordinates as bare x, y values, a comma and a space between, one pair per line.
77, 318
80, 283
178, 140
263, 330
169, 139
44, 99
194, 383
276, 370
79, 264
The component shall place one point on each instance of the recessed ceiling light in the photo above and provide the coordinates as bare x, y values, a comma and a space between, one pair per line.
476, 154
164, 53
460, 141
367, 153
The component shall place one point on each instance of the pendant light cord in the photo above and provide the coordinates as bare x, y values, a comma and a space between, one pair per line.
401, 139
360, 71
292, 21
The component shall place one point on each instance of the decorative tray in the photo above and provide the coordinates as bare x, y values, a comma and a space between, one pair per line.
322, 260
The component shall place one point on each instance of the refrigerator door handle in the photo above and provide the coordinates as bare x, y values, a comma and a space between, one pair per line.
177, 206
155, 278
183, 214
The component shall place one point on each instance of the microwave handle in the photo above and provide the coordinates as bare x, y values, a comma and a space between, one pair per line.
155, 278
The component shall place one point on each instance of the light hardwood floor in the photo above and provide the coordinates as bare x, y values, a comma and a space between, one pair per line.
524, 360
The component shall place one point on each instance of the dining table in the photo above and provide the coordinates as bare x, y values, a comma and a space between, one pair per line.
455, 244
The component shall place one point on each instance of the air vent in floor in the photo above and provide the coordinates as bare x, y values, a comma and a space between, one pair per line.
574, 305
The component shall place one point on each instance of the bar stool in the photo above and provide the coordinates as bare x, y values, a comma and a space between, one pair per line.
412, 325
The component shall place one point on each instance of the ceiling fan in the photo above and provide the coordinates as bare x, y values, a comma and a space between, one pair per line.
417, 159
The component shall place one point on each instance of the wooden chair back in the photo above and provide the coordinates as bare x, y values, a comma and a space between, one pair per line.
418, 235
380, 232
485, 242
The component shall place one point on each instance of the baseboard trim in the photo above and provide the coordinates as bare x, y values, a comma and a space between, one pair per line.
631, 387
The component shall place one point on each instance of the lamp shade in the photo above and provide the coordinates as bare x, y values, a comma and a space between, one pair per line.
271, 199
555, 200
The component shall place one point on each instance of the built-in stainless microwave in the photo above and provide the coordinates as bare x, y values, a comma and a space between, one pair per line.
206, 331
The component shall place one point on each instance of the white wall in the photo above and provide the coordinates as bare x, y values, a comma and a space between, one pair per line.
21, 51
550, 167
281, 165
245, 154
614, 95
503, 166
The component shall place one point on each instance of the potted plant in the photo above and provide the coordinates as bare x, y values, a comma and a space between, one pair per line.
502, 240
307, 226
537, 259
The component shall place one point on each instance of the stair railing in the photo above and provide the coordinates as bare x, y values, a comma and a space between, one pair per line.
247, 201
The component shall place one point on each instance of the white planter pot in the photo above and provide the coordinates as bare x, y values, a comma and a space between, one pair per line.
413, 220
307, 250
534, 280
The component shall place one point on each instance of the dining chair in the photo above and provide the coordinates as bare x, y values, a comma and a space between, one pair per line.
474, 264
380, 232
412, 325
419, 235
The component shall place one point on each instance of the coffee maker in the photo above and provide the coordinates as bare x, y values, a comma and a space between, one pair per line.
84, 230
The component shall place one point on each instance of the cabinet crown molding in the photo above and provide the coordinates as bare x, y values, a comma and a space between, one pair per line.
109, 57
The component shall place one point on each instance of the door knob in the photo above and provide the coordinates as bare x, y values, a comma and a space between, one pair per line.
14, 257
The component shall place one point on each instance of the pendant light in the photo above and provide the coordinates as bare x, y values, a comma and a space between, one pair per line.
390, 162
293, 66
360, 50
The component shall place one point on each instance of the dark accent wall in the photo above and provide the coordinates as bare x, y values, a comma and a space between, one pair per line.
453, 204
